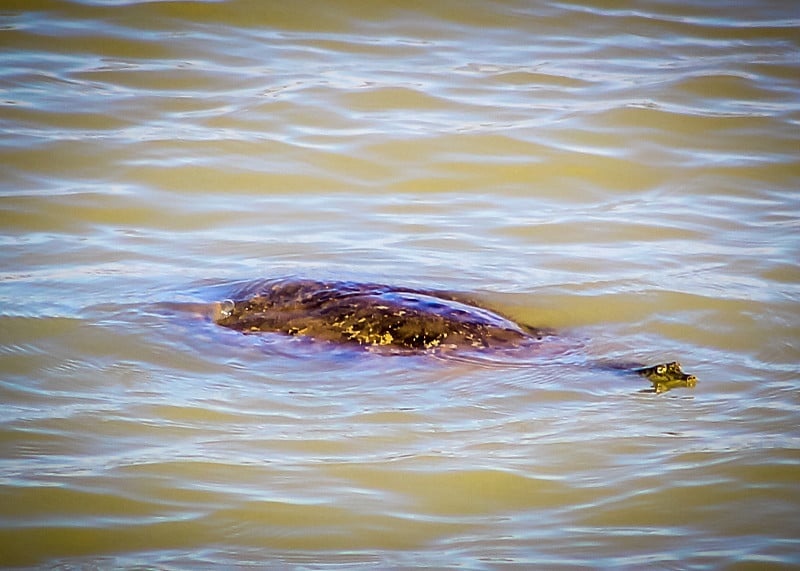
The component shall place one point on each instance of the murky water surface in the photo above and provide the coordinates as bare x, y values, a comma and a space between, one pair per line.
627, 175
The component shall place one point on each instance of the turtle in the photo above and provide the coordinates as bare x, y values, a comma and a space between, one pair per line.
395, 318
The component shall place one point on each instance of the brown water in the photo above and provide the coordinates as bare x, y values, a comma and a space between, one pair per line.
628, 175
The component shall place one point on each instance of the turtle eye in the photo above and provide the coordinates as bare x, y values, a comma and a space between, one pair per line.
226, 308
661, 369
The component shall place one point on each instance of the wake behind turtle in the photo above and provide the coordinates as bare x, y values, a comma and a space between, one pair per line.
396, 319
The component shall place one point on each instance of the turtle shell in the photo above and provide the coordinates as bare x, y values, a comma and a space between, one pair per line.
372, 315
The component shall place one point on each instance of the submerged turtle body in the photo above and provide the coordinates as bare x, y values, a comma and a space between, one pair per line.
400, 319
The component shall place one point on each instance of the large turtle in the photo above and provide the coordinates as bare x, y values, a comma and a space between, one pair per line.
396, 318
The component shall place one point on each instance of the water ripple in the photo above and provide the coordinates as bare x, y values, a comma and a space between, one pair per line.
625, 175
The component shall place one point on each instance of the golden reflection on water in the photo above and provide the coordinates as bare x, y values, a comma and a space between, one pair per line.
625, 175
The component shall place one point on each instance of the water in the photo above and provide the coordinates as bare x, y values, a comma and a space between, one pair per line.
627, 175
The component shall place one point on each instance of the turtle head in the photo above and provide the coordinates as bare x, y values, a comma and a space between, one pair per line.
667, 376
